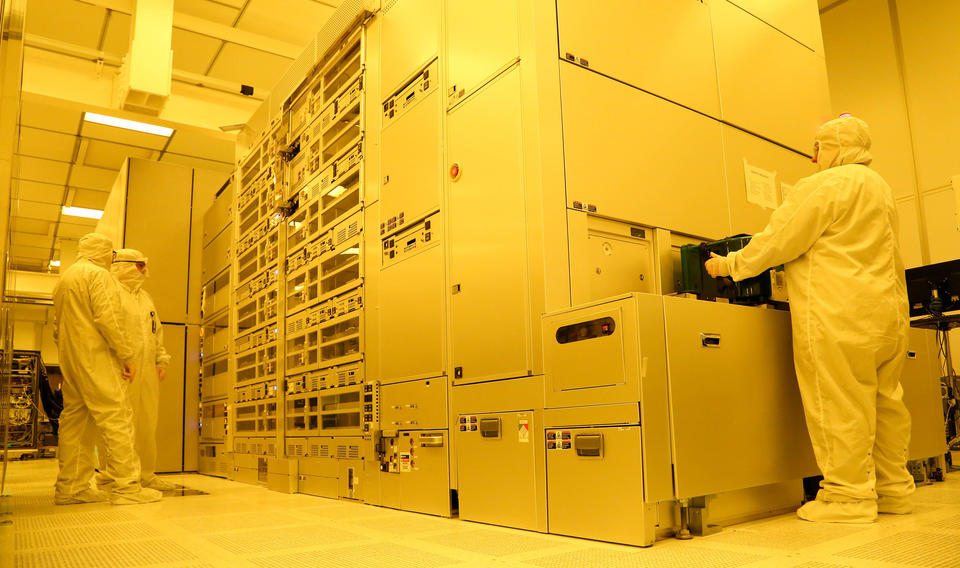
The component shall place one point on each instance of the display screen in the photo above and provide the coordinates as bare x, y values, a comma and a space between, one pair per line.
586, 330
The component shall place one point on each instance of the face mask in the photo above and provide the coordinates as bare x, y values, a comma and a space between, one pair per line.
128, 274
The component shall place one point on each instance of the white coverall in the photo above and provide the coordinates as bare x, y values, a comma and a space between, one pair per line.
836, 234
92, 345
142, 320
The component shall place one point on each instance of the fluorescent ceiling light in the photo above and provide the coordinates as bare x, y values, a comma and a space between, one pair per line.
81, 212
128, 124
54, 263
353, 250
337, 191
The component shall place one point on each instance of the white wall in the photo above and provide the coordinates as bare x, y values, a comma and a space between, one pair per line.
893, 62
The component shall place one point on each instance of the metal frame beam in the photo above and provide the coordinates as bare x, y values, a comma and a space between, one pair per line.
214, 30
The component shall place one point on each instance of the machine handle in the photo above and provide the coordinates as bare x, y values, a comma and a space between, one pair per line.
710, 339
489, 427
431, 440
588, 445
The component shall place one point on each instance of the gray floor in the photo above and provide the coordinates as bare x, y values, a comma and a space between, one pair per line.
239, 525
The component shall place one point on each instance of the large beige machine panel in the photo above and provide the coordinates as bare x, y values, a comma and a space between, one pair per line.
630, 155
665, 48
411, 307
499, 481
609, 258
410, 154
474, 51
218, 216
414, 404
612, 352
418, 472
921, 393
216, 255
723, 358
593, 487
170, 424
166, 238
410, 37
488, 261
769, 83
799, 19
747, 216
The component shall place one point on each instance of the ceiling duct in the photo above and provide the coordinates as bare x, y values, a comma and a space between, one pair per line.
143, 82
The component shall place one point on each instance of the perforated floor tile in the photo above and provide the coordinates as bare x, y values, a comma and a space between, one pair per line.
912, 549
217, 523
495, 543
76, 535
950, 523
104, 555
270, 539
647, 558
784, 534
411, 524
370, 556
242, 526
106, 514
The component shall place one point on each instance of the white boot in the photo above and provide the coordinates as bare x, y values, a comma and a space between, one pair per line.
894, 505
85, 496
145, 495
839, 512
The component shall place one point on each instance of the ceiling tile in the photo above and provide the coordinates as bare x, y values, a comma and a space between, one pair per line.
117, 39
46, 144
249, 66
38, 169
189, 143
34, 226
294, 21
92, 178
30, 240
214, 11
197, 163
122, 135
109, 155
193, 52
90, 199
49, 117
66, 20
73, 230
35, 210
36, 191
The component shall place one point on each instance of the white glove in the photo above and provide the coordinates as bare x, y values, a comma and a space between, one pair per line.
717, 266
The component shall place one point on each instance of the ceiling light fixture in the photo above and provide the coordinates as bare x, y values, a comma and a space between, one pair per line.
128, 124
54, 263
81, 212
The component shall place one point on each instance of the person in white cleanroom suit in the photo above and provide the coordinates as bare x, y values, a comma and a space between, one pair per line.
96, 358
836, 234
141, 318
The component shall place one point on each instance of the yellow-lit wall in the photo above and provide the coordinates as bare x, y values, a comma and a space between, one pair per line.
893, 62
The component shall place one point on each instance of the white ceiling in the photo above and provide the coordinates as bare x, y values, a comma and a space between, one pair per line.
62, 160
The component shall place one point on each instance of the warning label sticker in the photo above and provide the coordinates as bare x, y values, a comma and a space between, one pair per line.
523, 431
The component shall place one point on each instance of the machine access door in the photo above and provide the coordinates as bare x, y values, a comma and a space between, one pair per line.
737, 419
497, 473
595, 485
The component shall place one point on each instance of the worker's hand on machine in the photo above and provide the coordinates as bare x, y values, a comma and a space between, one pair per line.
161, 372
717, 266
129, 370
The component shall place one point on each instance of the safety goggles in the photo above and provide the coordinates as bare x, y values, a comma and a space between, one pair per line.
140, 264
